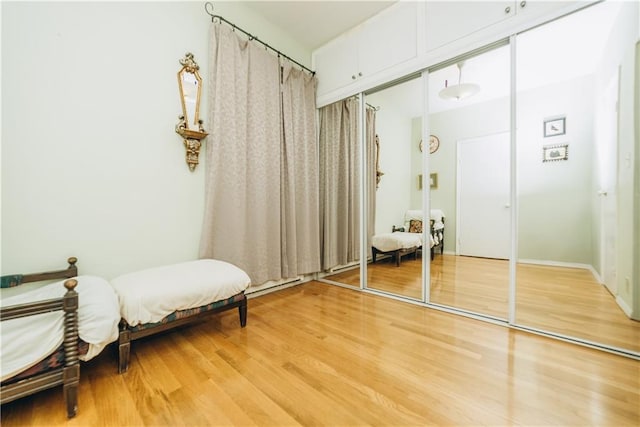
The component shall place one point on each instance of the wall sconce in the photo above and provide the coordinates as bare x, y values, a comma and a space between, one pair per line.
189, 125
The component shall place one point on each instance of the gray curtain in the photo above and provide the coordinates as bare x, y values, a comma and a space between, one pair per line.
300, 222
255, 164
339, 183
371, 174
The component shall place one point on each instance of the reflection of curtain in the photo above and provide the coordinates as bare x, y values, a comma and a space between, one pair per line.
258, 168
339, 184
371, 173
340, 181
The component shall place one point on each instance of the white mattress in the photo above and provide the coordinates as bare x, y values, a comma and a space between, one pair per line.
399, 240
28, 340
149, 295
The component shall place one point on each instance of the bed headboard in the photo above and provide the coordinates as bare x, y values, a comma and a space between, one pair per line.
12, 280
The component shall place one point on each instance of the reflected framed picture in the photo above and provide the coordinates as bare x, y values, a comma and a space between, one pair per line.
552, 153
554, 126
433, 181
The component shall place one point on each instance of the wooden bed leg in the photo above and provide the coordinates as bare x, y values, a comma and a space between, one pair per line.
374, 252
71, 370
71, 380
243, 312
398, 258
124, 350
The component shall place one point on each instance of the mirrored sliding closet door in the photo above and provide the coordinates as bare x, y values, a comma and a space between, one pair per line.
340, 191
396, 227
469, 180
574, 128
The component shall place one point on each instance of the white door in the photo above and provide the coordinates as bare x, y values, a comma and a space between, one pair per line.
483, 212
607, 157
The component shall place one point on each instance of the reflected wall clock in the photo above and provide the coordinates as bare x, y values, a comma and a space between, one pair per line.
434, 144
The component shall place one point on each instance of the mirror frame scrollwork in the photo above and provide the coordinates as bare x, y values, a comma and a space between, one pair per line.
190, 128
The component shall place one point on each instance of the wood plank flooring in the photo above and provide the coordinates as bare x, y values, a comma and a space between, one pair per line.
317, 354
566, 301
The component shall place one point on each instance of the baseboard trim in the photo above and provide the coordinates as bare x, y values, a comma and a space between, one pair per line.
623, 305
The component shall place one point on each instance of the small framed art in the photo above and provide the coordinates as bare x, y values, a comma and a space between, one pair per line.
554, 126
552, 153
433, 181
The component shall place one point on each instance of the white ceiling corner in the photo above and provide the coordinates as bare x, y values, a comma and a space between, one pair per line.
313, 23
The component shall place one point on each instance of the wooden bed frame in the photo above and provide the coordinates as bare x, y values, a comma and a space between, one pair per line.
128, 334
399, 253
396, 254
440, 244
69, 374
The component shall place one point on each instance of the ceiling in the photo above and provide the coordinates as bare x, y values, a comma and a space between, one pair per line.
313, 23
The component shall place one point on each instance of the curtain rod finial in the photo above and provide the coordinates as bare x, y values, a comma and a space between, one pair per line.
208, 5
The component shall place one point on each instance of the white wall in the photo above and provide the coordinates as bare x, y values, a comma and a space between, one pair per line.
91, 165
416, 163
553, 197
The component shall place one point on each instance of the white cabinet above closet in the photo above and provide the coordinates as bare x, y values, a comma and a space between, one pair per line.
384, 41
448, 21
411, 36
336, 64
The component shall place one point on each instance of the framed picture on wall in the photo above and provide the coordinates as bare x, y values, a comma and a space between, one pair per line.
554, 126
552, 153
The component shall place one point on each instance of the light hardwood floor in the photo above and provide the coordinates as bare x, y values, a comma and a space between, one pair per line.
566, 301
317, 354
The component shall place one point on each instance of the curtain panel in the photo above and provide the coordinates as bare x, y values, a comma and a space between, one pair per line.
340, 181
257, 162
371, 159
300, 219
339, 184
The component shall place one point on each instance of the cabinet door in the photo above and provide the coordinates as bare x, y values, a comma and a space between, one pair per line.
336, 64
388, 39
450, 21
533, 9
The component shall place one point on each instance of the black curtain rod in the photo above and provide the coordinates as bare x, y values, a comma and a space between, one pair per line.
208, 5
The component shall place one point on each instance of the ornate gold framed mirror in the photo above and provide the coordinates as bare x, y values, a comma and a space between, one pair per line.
189, 125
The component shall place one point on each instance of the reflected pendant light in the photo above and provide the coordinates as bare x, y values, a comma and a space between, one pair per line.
461, 90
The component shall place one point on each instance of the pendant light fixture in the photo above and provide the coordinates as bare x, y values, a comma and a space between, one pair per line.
461, 90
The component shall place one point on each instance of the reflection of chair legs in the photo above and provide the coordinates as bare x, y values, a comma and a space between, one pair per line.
396, 254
